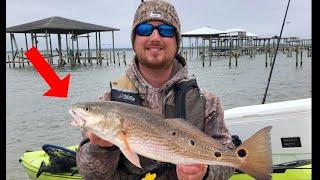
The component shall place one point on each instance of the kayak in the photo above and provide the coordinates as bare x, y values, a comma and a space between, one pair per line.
31, 161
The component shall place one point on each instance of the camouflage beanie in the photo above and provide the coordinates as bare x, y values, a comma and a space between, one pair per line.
156, 10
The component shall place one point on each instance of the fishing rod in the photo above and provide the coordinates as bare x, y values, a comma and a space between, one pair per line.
279, 38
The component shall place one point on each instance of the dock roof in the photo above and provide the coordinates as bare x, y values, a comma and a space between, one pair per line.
58, 25
235, 31
207, 31
203, 31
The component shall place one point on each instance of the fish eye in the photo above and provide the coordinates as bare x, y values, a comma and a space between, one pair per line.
86, 108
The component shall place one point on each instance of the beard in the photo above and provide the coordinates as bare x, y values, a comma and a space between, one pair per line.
155, 62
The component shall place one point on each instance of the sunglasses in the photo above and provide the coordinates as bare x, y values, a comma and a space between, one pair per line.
164, 30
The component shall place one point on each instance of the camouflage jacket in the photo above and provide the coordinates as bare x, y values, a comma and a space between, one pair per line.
94, 162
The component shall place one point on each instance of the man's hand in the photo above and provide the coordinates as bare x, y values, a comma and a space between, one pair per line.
191, 172
98, 141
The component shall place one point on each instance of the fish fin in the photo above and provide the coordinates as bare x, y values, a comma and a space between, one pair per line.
189, 128
255, 155
127, 151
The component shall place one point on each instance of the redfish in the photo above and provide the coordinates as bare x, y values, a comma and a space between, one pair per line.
138, 130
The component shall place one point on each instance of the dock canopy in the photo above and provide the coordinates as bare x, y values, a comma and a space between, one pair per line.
58, 25
207, 31
203, 31
239, 32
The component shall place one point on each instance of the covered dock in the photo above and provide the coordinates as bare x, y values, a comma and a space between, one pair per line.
61, 26
235, 42
219, 40
214, 41
203, 33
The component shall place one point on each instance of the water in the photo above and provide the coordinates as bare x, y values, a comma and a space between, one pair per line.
33, 120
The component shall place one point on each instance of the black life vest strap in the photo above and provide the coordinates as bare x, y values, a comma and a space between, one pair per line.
180, 91
126, 97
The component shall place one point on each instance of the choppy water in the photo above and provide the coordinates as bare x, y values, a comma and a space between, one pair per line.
33, 120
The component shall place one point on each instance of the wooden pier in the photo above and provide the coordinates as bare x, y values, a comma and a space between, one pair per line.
73, 30
83, 58
205, 46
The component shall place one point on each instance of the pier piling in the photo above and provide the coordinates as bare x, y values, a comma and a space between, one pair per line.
230, 56
9, 61
296, 57
124, 58
301, 57
266, 58
202, 58
118, 58
236, 56
22, 57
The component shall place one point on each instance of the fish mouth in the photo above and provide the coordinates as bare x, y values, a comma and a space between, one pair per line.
78, 120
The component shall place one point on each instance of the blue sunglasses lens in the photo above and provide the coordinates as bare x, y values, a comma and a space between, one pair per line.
144, 29
163, 29
166, 30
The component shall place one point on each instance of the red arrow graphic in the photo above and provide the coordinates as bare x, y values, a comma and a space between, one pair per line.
59, 88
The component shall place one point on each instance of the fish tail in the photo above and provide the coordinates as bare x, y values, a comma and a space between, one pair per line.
255, 155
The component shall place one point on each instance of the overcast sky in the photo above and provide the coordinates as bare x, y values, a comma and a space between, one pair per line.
262, 17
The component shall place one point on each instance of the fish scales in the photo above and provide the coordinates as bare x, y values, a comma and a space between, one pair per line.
147, 133
152, 140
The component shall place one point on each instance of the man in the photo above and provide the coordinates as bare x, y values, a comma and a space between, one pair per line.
157, 79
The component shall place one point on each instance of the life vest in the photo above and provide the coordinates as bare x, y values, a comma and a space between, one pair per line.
188, 103
123, 90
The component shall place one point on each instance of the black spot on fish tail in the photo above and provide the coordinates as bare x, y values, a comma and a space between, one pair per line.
242, 153
217, 154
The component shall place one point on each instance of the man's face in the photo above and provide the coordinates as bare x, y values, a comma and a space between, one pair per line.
155, 51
